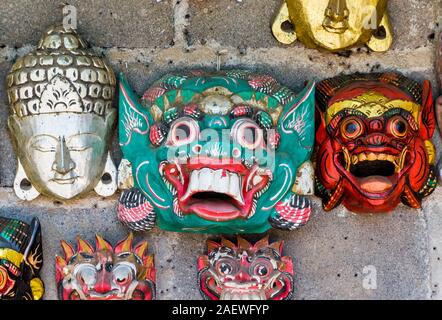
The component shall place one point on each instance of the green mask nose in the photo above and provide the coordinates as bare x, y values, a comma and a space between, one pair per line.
217, 122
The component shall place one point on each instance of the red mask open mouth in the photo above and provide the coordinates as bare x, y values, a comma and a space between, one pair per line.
215, 189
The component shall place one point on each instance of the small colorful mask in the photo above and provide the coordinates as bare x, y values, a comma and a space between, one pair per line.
245, 272
216, 153
439, 100
334, 24
62, 119
21, 259
374, 142
104, 272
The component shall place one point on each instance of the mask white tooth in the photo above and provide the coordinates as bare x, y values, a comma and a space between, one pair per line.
222, 184
256, 179
236, 296
193, 184
262, 295
235, 188
246, 296
205, 179
227, 295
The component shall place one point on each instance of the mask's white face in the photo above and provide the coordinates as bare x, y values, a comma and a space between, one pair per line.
64, 154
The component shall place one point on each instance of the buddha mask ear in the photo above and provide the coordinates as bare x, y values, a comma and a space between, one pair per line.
23, 187
108, 181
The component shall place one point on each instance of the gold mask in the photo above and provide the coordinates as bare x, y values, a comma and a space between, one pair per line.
334, 24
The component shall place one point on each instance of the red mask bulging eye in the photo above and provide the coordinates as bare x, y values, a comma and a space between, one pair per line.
183, 131
122, 275
398, 127
351, 128
261, 268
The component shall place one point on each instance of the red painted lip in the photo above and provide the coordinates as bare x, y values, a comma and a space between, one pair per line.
210, 203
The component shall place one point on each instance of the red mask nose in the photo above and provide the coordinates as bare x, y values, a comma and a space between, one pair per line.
103, 283
376, 139
376, 125
242, 276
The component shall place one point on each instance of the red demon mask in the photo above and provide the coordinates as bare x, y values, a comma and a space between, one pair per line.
104, 272
373, 142
245, 272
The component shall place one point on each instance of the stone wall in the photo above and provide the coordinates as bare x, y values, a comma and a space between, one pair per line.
147, 38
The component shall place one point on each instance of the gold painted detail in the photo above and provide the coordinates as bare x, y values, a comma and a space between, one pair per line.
11, 255
372, 105
431, 150
37, 288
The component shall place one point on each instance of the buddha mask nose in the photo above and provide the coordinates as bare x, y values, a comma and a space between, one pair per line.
63, 162
336, 16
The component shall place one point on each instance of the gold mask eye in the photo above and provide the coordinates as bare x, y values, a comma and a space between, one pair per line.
351, 128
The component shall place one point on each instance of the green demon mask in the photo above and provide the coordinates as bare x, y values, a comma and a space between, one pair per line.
216, 153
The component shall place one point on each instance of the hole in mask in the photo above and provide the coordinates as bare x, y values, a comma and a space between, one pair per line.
372, 168
25, 184
106, 178
380, 33
287, 26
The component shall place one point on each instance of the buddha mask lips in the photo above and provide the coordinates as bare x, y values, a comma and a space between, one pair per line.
245, 271
374, 142
216, 189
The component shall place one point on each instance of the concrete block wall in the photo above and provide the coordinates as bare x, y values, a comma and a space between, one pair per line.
335, 253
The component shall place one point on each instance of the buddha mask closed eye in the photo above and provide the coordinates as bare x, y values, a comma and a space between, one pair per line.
374, 146
216, 153
244, 271
105, 273
21, 259
62, 119
334, 24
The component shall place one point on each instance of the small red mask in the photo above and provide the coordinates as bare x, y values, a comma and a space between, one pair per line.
104, 272
244, 271
373, 139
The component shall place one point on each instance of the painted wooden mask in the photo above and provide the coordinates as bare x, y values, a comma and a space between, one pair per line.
62, 119
21, 259
439, 99
374, 146
123, 272
243, 271
216, 153
335, 24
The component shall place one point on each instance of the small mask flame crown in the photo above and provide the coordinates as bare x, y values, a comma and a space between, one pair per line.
126, 245
244, 245
60, 76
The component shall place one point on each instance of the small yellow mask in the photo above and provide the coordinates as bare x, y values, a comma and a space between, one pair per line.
334, 24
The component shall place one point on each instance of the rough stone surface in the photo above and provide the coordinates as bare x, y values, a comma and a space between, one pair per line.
336, 253
129, 23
